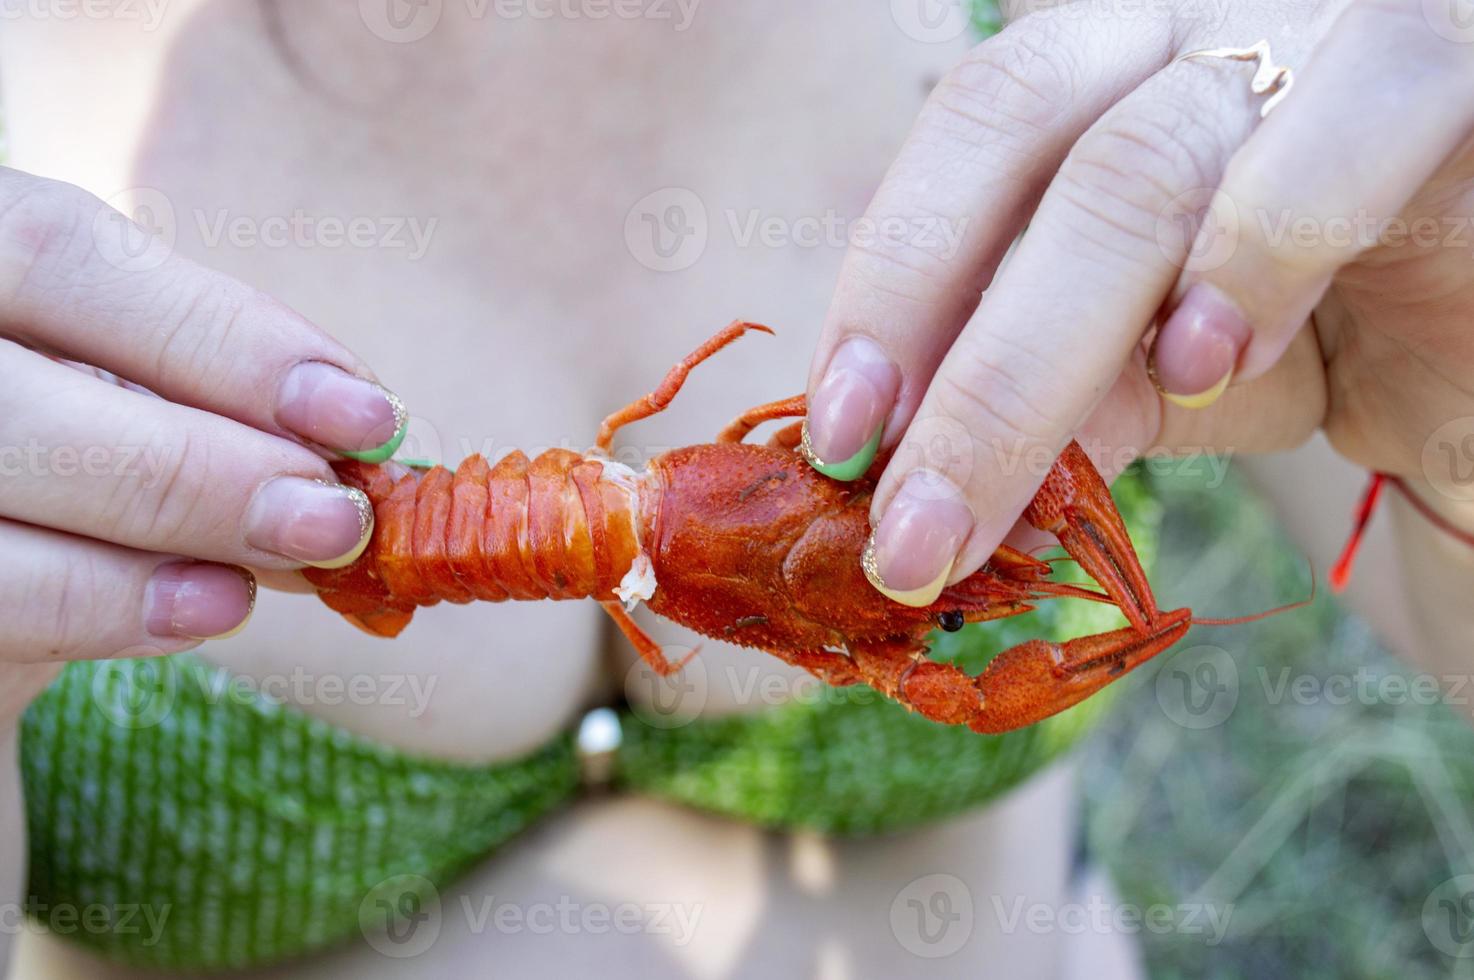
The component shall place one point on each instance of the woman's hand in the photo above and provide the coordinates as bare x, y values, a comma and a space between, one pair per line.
127, 507
1312, 270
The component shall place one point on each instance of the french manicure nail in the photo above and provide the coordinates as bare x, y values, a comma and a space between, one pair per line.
325, 525
357, 418
913, 549
848, 411
198, 600
1193, 357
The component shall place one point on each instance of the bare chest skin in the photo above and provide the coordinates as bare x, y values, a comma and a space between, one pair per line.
549, 212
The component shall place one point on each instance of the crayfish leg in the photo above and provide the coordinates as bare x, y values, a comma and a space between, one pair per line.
657, 401
648, 649
785, 408
787, 437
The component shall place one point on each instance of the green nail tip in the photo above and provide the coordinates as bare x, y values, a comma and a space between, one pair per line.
854, 467
382, 453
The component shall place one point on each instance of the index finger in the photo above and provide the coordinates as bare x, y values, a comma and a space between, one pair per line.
990, 137
79, 278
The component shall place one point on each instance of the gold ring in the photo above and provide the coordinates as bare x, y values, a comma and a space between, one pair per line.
1269, 79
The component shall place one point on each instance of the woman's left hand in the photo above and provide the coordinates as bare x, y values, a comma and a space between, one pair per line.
1309, 271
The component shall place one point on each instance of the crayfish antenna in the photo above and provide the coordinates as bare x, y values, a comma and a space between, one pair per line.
1256, 617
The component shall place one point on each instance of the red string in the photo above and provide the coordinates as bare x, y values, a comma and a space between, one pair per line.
1341, 571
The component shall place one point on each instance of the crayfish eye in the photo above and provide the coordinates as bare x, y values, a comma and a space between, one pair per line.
951, 621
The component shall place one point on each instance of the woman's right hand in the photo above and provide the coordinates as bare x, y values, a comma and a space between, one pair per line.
162, 428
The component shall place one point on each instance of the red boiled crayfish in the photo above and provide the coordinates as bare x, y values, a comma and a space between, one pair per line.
749, 544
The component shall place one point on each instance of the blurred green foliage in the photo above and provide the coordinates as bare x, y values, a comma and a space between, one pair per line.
1324, 796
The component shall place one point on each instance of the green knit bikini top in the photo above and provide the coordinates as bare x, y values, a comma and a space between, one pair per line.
241, 831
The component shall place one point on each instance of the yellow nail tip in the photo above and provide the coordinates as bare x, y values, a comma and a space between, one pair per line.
365, 532
916, 598
250, 581
1203, 398
229, 633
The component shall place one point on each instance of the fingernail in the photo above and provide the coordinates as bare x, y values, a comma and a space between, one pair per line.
357, 418
325, 525
847, 414
198, 600
1193, 357
912, 551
